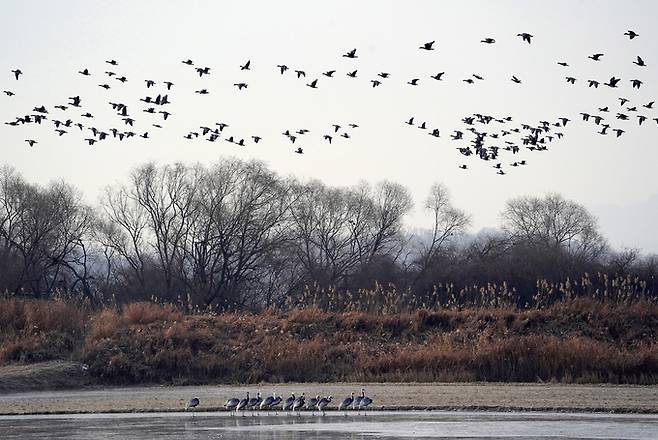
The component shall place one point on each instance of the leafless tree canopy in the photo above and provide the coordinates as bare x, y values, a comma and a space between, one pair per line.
235, 235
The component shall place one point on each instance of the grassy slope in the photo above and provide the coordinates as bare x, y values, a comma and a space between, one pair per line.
573, 341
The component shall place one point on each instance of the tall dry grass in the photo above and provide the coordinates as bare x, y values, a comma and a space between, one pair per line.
578, 338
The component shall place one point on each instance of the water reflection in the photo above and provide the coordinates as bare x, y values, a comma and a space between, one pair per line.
392, 425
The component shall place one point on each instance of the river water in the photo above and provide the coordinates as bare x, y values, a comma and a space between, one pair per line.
374, 425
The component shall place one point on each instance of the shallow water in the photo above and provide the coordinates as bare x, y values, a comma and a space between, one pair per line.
376, 425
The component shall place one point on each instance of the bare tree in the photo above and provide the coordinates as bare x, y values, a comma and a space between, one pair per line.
337, 230
43, 233
553, 222
448, 222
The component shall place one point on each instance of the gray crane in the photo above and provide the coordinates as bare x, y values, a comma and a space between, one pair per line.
322, 403
345, 404
231, 404
299, 404
243, 404
193, 403
287, 406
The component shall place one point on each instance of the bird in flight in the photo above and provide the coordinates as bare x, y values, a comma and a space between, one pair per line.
352, 74
613, 82
525, 37
639, 62
384, 75
563, 64
31, 142
595, 57
413, 82
375, 83
282, 68
631, 34
84, 72
17, 73
8, 93
188, 62
313, 84
246, 65
329, 73
240, 86
299, 150
437, 76
427, 46
168, 84
351, 54
300, 73
516, 80
488, 41
112, 62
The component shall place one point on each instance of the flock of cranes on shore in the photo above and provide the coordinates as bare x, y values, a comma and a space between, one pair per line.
489, 136
292, 404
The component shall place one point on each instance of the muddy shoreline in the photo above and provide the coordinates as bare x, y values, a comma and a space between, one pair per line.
387, 396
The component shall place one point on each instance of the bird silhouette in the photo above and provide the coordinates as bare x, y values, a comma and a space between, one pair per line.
427, 46
437, 76
329, 73
300, 73
488, 41
563, 64
313, 84
299, 150
613, 82
351, 54
188, 62
516, 80
631, 34
375, 83
31, 142
384, 75
169, 84
8, 93
17, 73
240, 86
246, 65
636, 83
413, 82
595, 57
282, 68
84, 72
352, 74
525, 37
639, 62
571, 79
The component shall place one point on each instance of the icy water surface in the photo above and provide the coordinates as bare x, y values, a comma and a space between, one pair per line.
376, 425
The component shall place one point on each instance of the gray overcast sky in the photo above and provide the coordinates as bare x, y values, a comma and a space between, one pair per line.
615, 178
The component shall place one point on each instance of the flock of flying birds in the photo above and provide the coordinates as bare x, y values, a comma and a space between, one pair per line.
488, 136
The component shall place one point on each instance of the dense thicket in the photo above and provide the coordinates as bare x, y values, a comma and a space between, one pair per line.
573, 340
235, 235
